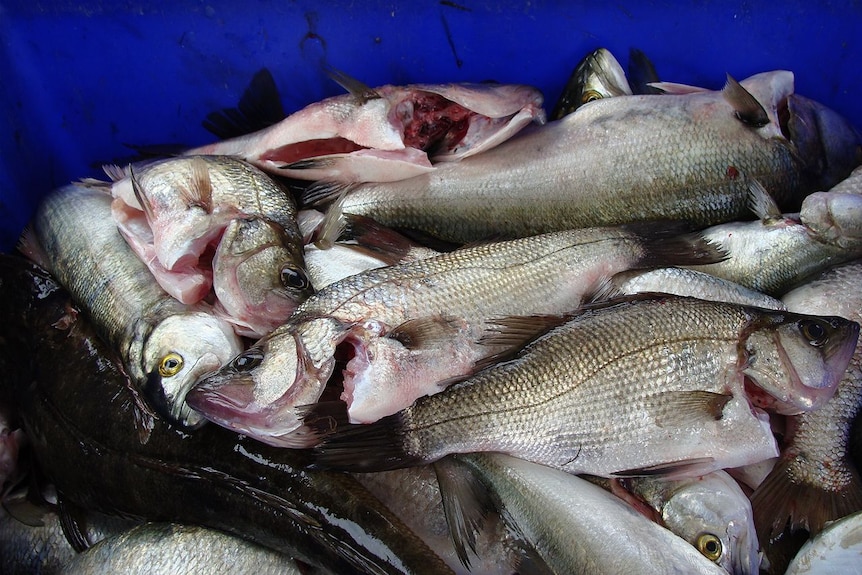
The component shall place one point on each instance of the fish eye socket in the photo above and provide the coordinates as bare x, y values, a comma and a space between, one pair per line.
813, 331
293, 278
589, 96
248, 360
709, 545
171, 365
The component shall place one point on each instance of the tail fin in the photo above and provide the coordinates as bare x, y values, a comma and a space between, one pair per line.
259, 107
690, 249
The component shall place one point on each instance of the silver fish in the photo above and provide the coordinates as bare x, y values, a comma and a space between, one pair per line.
409, 329
165, 346
836, 549
599, 75
642, 386
604, 165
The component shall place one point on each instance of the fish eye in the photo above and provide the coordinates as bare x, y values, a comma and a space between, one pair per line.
589, 96
293, 278
709, 545
248, 360
171, 365
813, 331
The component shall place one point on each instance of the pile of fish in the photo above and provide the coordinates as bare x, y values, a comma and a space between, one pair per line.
424, 329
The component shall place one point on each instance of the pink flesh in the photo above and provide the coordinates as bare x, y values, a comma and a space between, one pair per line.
294, 152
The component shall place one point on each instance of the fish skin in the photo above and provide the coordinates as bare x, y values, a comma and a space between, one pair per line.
581, 412
415, 326
836, 549
598, 75
379, 134
255, 278
713, 506
187, 202
567, 174
139, 321
578, 527
173, 548
91, 450
815, 481
835, 215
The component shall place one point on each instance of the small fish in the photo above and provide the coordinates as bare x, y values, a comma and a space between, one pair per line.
598, 75
387, 133
164, 345
641, 386
815, 481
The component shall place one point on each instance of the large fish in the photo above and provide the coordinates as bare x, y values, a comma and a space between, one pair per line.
387, 133
815, 481
164, 345
641, 386
624, 159
409, 329
92, 451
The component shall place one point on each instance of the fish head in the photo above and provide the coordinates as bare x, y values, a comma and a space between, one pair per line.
828, 144
834, 217
258, 391
714, 515
598, 75
180, 350
793, 362
258, 279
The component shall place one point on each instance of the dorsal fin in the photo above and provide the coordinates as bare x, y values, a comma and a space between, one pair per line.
356, 88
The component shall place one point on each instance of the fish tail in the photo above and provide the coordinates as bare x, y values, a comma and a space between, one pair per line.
690, 249
780, 500
378, 446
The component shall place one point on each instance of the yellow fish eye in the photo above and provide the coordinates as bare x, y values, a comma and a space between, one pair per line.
590, 95
709, 545
171, 365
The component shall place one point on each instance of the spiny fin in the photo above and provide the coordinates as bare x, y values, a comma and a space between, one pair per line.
746, 108
379, 238
139, 195
606, 290
466, 504
668, 469
360, 91
332, 226
115, 172
29, 246
779, 500
259, 107
689, 408
427, 332
72, 523
323, 192
761, 203
641, 73
200, 189
518, 330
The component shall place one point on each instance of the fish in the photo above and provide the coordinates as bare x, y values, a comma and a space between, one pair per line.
173, 548
642, 73
575, 526
836, 549
255, 278
598, 75
92, 452
775, 252
835, 215
409, 329
164, 345
11, 440
711, 512
567, 174
387, 133
639, 386
815, 481
172, 211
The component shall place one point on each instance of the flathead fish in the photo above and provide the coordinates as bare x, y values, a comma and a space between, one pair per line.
605, 164
164, 345
387, 133
642, 386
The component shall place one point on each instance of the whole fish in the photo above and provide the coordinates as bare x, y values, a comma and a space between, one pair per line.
815, 481
775, 252
256, 282
164, 345
409, 329
710, 512
605, 165
836, 549
642, 386
172, 548
91, 450
578, 527
387, 133
599, 75
173, 211
836, 215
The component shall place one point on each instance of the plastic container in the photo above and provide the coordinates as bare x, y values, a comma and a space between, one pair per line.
79, 80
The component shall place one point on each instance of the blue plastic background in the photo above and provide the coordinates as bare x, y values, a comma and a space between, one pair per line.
80, 79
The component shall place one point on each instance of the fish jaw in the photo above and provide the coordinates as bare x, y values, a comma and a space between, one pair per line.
202, 343
834, 217
787, 373
257, 393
